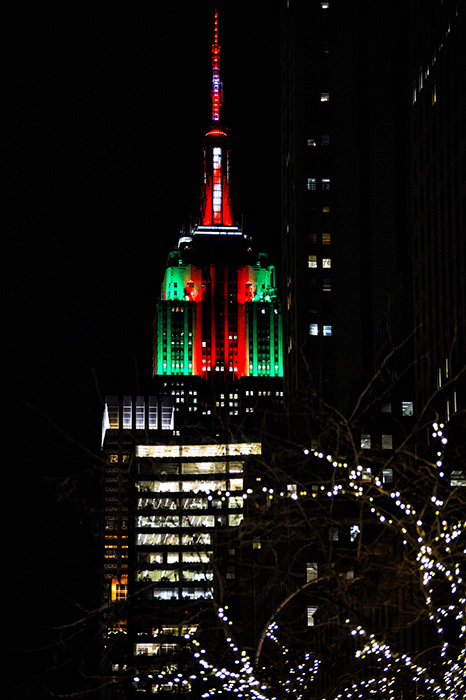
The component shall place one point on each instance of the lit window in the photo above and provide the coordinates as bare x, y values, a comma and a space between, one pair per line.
313, 329
387, 442
311, 571
311, 183
354, 532
312, 261
326, 210
333, 534
311, 142
311, 611
325, 5
387, 475
325, 183
326, 239
119, 588
386, 407
127, 412
326, 285
256, 543
324, 97
407, 408
365, 441
325, 140
458, 477
326, 262
327, 330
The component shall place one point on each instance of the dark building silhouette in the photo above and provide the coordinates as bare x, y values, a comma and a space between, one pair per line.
373, 201
437, 173
373, 236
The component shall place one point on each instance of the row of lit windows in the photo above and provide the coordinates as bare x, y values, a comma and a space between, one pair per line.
144, 649
326, 238
173, 557
177, 365
210, 450
315, 329
186, 593
312, 183
178, 631
176, 686
366, 442
197, 503
187, 521
203, 486
174, 575
201, 468
113, 551
407, 408
313, 262
262, 367
169, 539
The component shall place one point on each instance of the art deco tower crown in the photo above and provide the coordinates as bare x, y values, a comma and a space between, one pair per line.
218, 312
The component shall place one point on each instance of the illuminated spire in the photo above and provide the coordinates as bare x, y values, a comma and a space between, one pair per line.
216, 208
217, 87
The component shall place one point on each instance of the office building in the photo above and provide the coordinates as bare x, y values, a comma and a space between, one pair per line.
373, 204
373, 184
437, 174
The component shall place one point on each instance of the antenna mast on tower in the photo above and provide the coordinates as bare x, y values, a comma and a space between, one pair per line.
217, 86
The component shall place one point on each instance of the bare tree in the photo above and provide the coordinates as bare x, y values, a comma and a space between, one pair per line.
353, 563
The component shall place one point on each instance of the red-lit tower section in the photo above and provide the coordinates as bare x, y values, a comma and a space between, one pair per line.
216, 203
218, 317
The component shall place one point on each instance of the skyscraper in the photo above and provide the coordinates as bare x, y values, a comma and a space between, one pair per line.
437, 143
177, 463
218, 327
343, 198
372, 183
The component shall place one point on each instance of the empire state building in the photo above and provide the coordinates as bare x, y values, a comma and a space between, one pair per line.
218, 322
177, 465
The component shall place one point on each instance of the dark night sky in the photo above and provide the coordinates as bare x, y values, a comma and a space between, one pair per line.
105, 116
